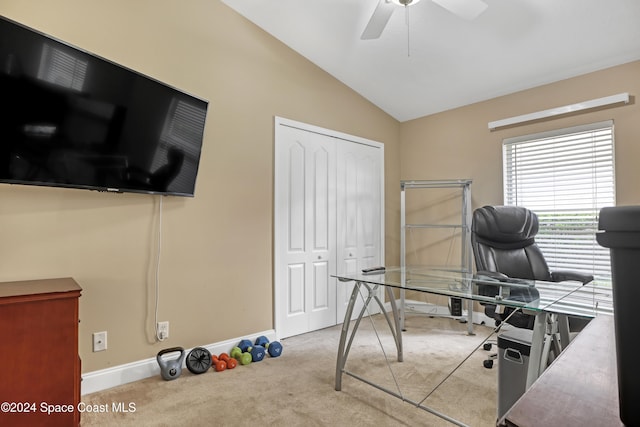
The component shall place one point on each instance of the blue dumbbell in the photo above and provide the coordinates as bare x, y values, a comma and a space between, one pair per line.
274, 349
244, 345
262, 340
257, 353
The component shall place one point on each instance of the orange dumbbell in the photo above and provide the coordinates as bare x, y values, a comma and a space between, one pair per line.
218, 365
230, 361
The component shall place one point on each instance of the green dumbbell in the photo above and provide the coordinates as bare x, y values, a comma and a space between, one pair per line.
244, 358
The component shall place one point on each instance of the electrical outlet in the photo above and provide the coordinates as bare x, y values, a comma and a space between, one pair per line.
163, 330
99, 341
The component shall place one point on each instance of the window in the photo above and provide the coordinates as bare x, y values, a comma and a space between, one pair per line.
180, 133
62, 68
565, 177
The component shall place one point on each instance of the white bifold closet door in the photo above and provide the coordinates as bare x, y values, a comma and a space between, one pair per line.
359, 215
328, 216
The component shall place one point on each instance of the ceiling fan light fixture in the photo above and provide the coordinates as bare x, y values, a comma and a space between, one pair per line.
405, 2
465, 9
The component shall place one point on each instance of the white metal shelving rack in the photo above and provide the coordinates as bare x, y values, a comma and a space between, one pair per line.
464, 185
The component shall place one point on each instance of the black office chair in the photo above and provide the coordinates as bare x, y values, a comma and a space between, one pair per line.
503, 242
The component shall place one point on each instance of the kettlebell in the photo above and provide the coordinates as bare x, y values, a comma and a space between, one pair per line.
172, 368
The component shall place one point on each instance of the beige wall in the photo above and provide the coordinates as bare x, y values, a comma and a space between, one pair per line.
216, 270
458, 144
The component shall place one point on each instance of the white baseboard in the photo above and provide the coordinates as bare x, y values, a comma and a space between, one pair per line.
118, 375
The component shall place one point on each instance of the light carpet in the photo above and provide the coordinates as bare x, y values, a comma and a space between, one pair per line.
297, 388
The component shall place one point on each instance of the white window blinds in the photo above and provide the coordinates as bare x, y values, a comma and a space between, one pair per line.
565, 177
62, 68
180, 131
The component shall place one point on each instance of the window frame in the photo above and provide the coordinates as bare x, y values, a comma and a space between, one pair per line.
600, 265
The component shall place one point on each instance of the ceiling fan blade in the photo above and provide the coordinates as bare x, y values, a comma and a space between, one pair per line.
466, 9
378, 20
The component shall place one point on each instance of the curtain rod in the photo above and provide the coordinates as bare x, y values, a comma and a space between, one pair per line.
558, 111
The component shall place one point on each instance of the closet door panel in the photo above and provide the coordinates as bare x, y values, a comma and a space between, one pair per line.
305, 219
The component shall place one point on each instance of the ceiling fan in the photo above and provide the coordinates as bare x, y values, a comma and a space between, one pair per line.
466, 9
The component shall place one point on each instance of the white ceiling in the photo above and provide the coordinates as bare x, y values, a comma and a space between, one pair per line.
441, 61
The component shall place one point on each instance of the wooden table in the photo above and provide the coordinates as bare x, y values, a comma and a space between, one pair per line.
579, 389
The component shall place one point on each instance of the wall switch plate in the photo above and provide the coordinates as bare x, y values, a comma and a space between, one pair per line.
163, 330
99, 341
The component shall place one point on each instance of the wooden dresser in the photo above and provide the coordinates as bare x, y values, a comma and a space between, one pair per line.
41, 374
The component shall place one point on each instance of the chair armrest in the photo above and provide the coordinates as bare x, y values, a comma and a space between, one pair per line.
486, 288
491, 275
495, 283
562, 275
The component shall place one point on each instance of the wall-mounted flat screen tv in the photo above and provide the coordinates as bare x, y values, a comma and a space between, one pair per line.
73, 119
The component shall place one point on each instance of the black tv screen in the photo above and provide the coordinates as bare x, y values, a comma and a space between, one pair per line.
72, 119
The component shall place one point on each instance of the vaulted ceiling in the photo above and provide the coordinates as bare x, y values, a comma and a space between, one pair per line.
428, 59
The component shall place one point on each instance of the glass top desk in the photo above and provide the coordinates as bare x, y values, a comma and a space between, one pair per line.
550, 302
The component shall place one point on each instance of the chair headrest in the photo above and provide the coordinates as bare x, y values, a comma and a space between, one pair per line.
505, 225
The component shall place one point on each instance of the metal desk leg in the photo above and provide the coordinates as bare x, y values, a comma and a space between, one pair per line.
344, 347
397, 334
537, 344
470, 318
555, 336
342, 355
395, 326
563, 329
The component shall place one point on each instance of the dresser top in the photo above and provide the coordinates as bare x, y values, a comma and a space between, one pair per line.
42, 286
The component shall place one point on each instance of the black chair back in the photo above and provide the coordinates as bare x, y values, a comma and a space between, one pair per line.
503, 241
